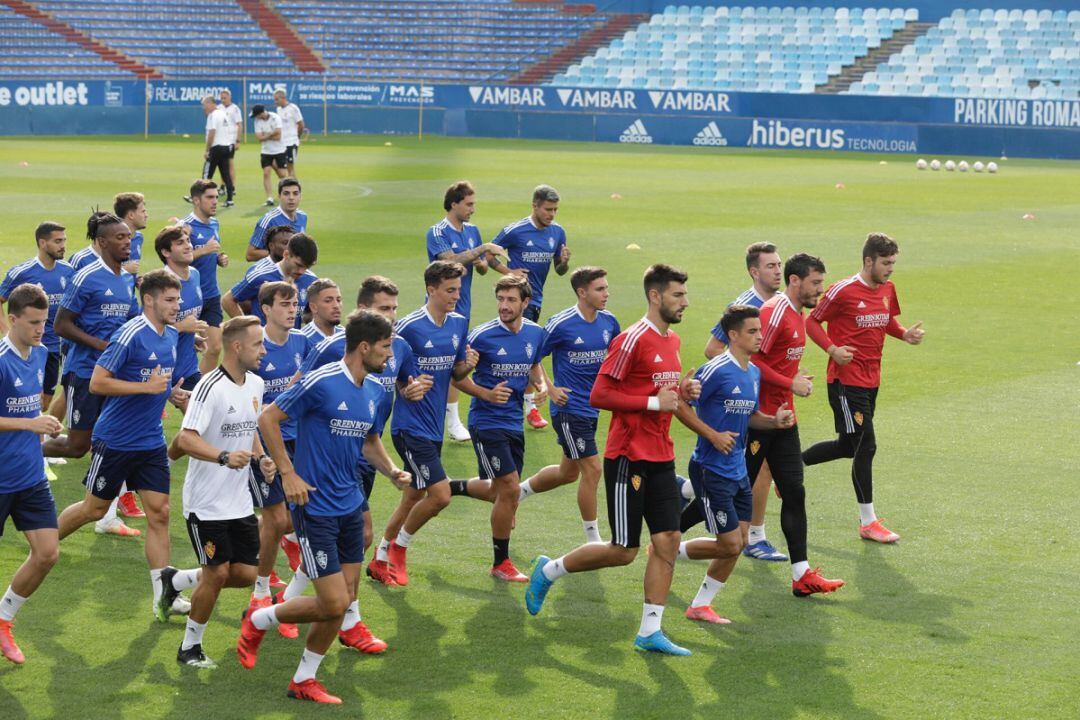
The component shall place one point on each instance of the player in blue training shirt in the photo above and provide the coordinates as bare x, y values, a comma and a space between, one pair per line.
324, 304
509, 360
764, 267
287, 213
726, 409
135, 376
25, 496
131, 208
335, 407
173, 248
532, 246
206, 239
301, 253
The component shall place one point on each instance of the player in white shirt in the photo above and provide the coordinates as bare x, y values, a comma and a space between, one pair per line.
268, 130
219, 147
292, 127
219, 436
236, 122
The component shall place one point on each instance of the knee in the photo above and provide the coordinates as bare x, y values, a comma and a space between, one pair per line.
46, 558
334, 606
624, 556
157, 514
78, 445
95, 511
440, 497
215, 576
242, 575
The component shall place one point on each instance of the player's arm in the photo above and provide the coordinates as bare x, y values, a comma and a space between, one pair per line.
270, 419
209, 140
209, 248
463, 368
784, 418
230, 305
103, 382
562, 260
714, 347
912, 335
608, 394
189, 442
538, 379
254, 254
3, 317
64, 326
375, 453
40, 425
472, 255
841, 354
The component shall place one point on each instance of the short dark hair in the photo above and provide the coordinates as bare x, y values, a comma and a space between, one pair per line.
165, 239
271, 291
440, 270
365, 326
800, 265
270, 232
510, 282
735, 315
125, 202
304, 248
99, 220
232, 328
47, 228
584, 276
25, 296
659, 276
199, 187
456, 193
157, 281
288, 182
756, 250
372, 286
879, 245
545, 193
317, 287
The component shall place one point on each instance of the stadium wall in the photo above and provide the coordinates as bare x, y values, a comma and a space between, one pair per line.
940, 126
929, 10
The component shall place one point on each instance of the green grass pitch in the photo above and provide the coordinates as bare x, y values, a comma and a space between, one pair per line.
971, 615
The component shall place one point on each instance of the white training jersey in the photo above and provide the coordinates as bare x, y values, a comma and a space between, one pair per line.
235, 117
270, 124
290, 116
218, 121
226, 416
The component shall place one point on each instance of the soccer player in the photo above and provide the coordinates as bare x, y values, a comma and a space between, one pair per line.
25, 496
335, 407
532, 245
508, 350
276, 240
292, 127
859, 311
639, 382
236, 125
219, 147
287, 212
455, 239
131, 208
272, 151
218, 434
206, 239
577, 340
324, 303
436, 335
301, 253
764, 266
173, 248
134, 374
727, 408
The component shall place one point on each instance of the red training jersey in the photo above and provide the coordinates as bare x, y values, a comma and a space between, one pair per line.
783, 341
639, 362
857, 316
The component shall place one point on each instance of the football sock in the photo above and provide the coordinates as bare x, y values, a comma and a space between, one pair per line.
452, 416
592, 531
459, 487
155, 582
687, 490
10, 605
382, 554
309, 665
651, 615
192, 634
866, 513
403, 538
525, 490
262, 586
185, 579
555, 569
681, 555
757, 534
502, 549
291, 537
297, 585
798, 569
110, 514
352, 616
529, 404
707, 591
265, 618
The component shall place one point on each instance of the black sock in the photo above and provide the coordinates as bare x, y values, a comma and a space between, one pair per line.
502, 549
459, 487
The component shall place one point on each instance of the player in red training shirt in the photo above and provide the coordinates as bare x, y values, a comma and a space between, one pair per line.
859, 312
639, 382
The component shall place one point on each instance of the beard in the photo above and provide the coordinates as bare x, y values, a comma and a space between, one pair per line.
671, 317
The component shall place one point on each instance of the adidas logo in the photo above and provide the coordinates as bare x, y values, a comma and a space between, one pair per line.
18, 382
861, 305
736, 391
342, 406
428, 344
710, 135
658, 358
529, 244
796, 335
502, 351
231, 410
636, 133
109, 293
579, 341
153, 356
270, 367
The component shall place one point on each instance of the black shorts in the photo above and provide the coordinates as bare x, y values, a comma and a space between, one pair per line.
140, 469
640, 490
211, 311
851, 406
30, 509
575, 434
280, 160
52, 374
782, 449
291, 153
83, 406
532, 312
498, 452
217, 542
422, 458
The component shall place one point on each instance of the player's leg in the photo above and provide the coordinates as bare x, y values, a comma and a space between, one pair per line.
758, 545
844, 422
354, 633
222, 154
104, 479
454, 427
83, 408
34, 514
267, 170
367, 484
690, 491
586, 496
506, 456
380, 568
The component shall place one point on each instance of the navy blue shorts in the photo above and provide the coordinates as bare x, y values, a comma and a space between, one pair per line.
576, 435
532, 312
83, 406
140, 469
725, 502
30, 509
328, 542
191, 380
52, 374
422, 458
498, 452
264, 493
211, 311
365, 476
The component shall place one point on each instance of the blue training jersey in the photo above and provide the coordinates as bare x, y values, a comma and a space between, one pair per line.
276, 218
83, 258
104, 301
577, 348
136, 246
277, 368
54, 282
729, 396
266, 271
399, 367
750, 297
313, 335
533, 248
435, 349
20, 388
333, 416
504, 355
187, 359
133, 422
201, 234
443, 237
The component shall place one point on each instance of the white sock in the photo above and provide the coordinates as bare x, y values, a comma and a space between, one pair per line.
688, 490
291, 537
309, 665
799, 569
524, 490
382, 554
10, 605
110, 514
555, 569
757, 533
265, 618
529, 404
403, 538
185, 579
452, 414
155, 582
651, 615
352, 616
866, 513
707, 591
681, 555
192, 634
262, 586
296, 586
592, 531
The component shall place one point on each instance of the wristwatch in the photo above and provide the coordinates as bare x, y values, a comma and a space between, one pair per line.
223, 458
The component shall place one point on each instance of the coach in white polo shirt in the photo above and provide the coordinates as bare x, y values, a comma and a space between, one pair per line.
273, 156
219, 146
236, 123
292, 127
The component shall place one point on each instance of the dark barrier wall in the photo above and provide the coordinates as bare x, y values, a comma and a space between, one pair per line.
942, 126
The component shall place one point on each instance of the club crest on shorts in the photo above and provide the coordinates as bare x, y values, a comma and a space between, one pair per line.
721, 517
495, 463
265, 489
635, 480
580, 444
320, 557
754, 447
209, 548
100, 483
425, 471
75, 415
858, 418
